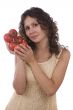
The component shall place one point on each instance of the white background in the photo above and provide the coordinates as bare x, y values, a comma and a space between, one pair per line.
10, 12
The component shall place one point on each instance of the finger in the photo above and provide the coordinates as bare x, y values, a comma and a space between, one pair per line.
23, 46
21, 49
20, 57
19, 52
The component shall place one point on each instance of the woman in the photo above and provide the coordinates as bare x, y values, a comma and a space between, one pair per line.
40, 67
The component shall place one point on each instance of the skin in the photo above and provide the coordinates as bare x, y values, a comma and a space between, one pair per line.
25, 55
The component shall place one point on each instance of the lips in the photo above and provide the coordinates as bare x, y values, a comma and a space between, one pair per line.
33, 37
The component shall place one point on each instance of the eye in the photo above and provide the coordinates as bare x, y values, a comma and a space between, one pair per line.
35, 24
27, 28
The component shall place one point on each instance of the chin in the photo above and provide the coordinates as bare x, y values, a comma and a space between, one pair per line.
35, 41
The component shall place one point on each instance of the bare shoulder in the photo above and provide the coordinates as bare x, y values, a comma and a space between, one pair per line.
65, 54
61, 67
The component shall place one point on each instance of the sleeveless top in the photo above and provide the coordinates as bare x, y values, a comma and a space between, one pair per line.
34, 98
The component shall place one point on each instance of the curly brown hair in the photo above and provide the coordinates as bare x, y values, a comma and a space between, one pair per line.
46, 22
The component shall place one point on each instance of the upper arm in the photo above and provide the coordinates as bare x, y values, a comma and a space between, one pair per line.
60, 69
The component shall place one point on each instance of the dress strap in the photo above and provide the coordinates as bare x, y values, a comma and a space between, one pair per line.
61, 50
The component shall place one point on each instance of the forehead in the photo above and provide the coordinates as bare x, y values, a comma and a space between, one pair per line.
29, 20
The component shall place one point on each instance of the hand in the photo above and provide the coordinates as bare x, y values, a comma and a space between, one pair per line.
25, 53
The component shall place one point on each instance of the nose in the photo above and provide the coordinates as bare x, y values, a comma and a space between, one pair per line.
31, 30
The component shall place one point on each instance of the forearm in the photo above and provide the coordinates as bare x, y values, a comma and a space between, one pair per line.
19, 82
43, 80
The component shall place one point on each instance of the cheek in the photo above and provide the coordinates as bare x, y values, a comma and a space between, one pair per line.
27, 33
42, 33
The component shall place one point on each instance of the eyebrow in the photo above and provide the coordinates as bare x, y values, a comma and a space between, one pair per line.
35, 21
31, 23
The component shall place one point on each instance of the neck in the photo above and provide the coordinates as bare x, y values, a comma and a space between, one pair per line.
43, 45
42, 51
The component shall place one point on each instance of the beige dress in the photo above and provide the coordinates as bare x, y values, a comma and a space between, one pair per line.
34, 98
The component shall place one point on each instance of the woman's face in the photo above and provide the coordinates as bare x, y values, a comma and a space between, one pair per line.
33, 30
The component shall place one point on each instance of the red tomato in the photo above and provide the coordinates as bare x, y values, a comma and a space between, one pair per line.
12, 46
25, 43
13, 32
13, 39
7, 38
19, 39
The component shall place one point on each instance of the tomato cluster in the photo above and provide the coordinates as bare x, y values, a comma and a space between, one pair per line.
14, 39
